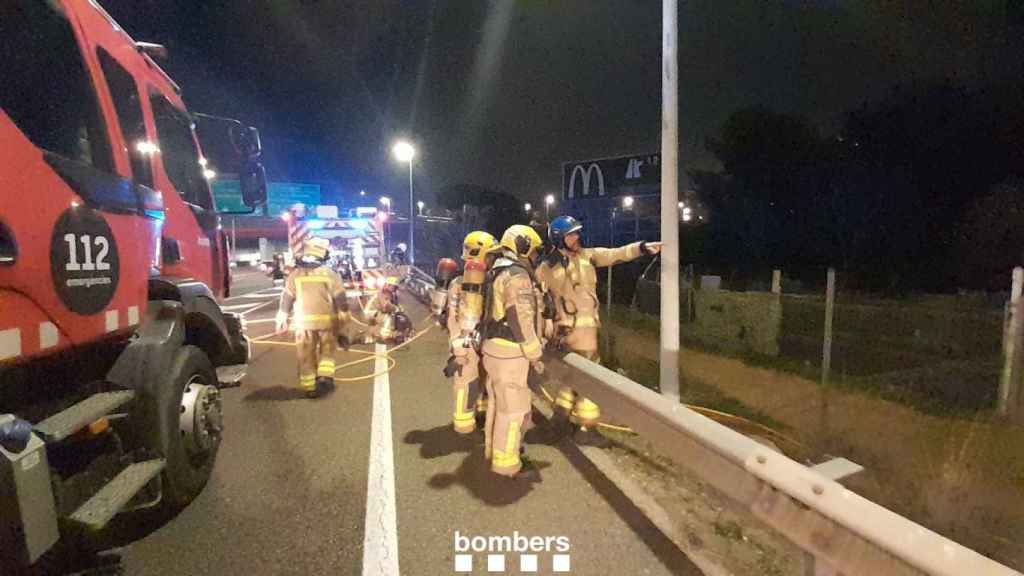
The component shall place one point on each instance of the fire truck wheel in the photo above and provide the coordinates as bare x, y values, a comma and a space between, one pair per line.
190, 405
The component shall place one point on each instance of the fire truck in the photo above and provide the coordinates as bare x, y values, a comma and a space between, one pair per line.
357, 244
112, 263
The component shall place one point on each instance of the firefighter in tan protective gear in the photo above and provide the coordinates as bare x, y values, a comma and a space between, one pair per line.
466, 298
569, 273
380, 310
513, 326
316, 295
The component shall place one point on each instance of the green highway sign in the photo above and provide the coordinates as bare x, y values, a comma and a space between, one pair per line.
227, 195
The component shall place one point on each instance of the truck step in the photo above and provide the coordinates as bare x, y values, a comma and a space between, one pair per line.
112, 498
65, 423
231, 376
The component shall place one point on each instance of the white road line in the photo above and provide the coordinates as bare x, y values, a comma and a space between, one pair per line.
260, 321
235, 307
264, 305
380, 540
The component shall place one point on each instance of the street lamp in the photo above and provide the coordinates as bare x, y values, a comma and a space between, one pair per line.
627, 204
527, 207
362, 193
404, 152
548, 201
420, 205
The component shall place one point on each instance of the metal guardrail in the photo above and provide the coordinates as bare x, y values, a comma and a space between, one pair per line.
420, 283
842, 531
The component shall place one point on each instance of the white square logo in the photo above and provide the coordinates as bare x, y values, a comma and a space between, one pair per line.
528, 563
560, 562
495, 562
463, 562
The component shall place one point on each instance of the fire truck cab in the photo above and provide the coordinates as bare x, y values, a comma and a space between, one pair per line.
112, 262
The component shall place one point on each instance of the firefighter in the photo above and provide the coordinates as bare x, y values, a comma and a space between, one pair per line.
317, 295
512, 326
569, 273
380, 310
466, 295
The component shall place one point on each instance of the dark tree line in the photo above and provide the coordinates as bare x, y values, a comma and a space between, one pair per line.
920, 190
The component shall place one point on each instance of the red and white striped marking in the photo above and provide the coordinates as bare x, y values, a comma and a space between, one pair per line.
16, 342
298, 231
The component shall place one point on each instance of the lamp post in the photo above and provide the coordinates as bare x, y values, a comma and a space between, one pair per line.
405, 152
386, 202
420, 206
526, 207
548, 201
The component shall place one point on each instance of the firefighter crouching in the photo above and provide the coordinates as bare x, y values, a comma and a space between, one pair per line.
466, 298
380, 311
317, 296
512, 328
569, 273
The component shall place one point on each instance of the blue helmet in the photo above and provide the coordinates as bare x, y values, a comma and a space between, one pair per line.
560, 228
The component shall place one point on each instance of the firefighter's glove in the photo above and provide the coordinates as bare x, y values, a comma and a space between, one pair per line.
650, 248
452, 368
281, 322
537, 366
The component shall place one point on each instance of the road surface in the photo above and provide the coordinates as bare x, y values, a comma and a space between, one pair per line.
349, 485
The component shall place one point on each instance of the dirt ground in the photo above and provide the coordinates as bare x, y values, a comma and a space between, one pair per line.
963, 478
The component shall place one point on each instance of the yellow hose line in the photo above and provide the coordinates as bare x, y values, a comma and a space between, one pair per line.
700, 410
391, 364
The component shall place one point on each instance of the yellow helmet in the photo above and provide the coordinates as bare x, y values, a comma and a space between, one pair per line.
316, 248
522, 240
477, 245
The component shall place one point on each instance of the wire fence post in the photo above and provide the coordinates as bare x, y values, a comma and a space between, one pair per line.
826, 350
1009, 382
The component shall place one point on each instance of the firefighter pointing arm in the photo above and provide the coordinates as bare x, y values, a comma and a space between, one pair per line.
570, 274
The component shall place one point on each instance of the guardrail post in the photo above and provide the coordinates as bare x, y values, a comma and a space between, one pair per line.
776, 281
1008, 404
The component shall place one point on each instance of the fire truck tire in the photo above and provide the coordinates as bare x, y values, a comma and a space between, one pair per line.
189, 435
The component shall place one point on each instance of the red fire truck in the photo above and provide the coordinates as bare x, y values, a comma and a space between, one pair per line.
112, 260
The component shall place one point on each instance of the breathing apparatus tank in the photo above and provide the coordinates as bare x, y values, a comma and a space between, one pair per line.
471, 299
475, 250
446, 270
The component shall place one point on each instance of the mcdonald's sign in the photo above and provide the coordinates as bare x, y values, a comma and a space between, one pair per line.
610, 177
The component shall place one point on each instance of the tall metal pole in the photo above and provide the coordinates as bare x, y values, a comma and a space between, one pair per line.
669, 356
608, 294
412, 220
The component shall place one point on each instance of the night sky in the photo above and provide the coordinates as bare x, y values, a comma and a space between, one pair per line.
499, 93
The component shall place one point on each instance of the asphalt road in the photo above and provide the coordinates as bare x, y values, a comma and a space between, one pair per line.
289, 494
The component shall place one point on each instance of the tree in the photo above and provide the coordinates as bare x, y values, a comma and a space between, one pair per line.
989, 239
498, 209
